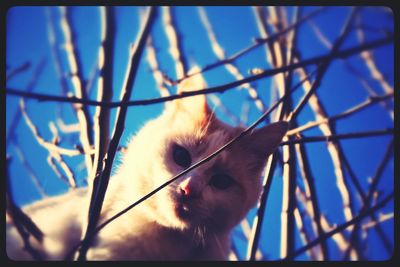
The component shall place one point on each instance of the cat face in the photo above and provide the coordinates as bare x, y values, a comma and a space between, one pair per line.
214, 196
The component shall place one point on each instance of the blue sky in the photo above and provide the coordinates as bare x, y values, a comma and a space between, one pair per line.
235, 28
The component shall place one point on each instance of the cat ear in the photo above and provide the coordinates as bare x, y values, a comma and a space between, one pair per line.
264, 141
197, 105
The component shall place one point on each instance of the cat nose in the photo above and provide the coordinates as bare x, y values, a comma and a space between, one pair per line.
187, 188
185, 191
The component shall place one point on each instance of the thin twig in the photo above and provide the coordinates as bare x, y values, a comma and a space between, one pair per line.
101, 117
230, 67
154, 68
324, 40
369, 61
308, 180
371, 192
29, 170
54, 156
342, 227
310, 139
47, 145
29, 88
267, 73
325, 64
338, 238
380, 219
97, 201
256, 227
24, 225
18, 70
76, 78
351, 111
174, 39
304, 234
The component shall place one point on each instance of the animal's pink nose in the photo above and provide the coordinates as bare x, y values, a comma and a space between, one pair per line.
187, 188
186, 191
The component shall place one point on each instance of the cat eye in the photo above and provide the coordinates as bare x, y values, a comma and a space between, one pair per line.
181, 156
221, 181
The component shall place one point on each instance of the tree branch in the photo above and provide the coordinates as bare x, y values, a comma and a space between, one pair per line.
104, 176
267, 73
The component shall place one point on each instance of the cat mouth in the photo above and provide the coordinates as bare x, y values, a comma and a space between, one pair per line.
183, 211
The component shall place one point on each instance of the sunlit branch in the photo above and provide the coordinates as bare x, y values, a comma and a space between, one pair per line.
311, 139
275, 56
67, 128
76, 79
97, 201
154, 68
244, 117
29, 170
175, 41
18, 70
267, 73
371, 191
325, 64
312, 197
56, 53
230, 67
261, 206
29, 88
246, 230
342, 227
267, 22
371, 65
258, 42
351, 111
218, 104
315, 104
47, 145
54, 156
381, 218
24, 225
101, 117
304, 235
324, 40
339, 238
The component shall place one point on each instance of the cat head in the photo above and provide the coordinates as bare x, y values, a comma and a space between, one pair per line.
215, 195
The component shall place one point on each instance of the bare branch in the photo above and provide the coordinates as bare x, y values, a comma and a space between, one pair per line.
47, 145
267, 73
154, 65
325, 64
342, 227
174, 39
256, 227
54, 156
371, 192
18, 70
104, 176
29, 170
30, 86
76, 79
381, 218
101, 117
371, 65
24, 225
231, 67
310, 139
351, 111
311, 194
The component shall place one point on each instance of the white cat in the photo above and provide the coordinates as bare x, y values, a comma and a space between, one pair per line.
191, 219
